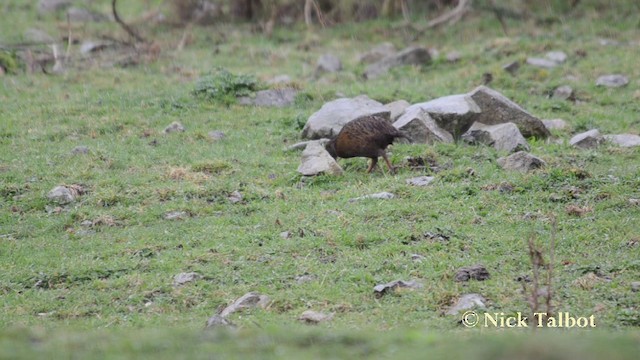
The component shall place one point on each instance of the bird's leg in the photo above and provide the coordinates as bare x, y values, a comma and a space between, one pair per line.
374, 161
391, 168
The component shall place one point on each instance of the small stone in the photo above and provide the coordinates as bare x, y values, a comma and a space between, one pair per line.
92, 46
635, 286
512, 67
305, 278
504, 137
328, 63
83, 150
174, 127
477, 272
417, 258
86, 223
377, 53
62, 195
467, 302
554, 124
184, 278
381, 196
612, 81
521, 161
235, 197
285, 234
453, 56
271, 98
564, 92
587, 140
624, 140
420, 180
316, 160
382, 289
176, 215
216, 135
558, 57
542, 63
314, 317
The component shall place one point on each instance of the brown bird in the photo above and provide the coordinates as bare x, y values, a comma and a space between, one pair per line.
366, 136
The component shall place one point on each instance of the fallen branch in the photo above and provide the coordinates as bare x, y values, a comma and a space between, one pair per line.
309, 6
452, 16
126, 27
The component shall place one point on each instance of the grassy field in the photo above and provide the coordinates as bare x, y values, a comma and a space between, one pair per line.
106, 290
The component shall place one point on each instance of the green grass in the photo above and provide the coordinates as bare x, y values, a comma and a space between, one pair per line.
107, 291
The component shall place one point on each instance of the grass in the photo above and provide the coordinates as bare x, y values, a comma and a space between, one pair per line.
106, 291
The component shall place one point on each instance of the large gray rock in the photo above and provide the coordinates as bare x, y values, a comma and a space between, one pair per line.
521, 161
328, 63
327, 122
61, 195
271, 98
504, 137
497, 109
413, 55
624, 140
421, 128
377, 53
316, 160
612, 81
454, 113
397, 108
587, 140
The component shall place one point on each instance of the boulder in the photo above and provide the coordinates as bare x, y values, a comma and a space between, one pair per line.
497, 109
624, 140
397, 108
521, 161
316, 160
421, 128
327, 122
271, 98
454, 113
503, 137
587, 140
413, 55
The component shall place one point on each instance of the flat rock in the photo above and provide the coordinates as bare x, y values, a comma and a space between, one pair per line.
587, 140
397, 108
216, 135
558, 57
624, 140
62, 195
328, 63
248, 300
467, 302
174, 127
381, 196
314, 317
612, 81
413, 55
421, 128
377, 53
176, 215
184, 278
420, 180
521, 161
382, 289
498, 109
235, 197
453, 56
502, 137
476, 272
332, 116
80, 150
635, 286
564, 92
316, 160
454, 113
554, 124
271, 98
541, 62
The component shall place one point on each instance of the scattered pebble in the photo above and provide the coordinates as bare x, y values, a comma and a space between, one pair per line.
382, 195
176, 215
174, 127
476, 272
184, 278
235, 197
467, 302
82, 150
382, 289
420, 180
314, 317
216, 135
248, 300
612, 81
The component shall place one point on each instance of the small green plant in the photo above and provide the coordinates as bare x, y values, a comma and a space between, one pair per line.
223, 86
9, 62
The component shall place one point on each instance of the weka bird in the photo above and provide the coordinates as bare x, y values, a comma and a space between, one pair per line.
366, 136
